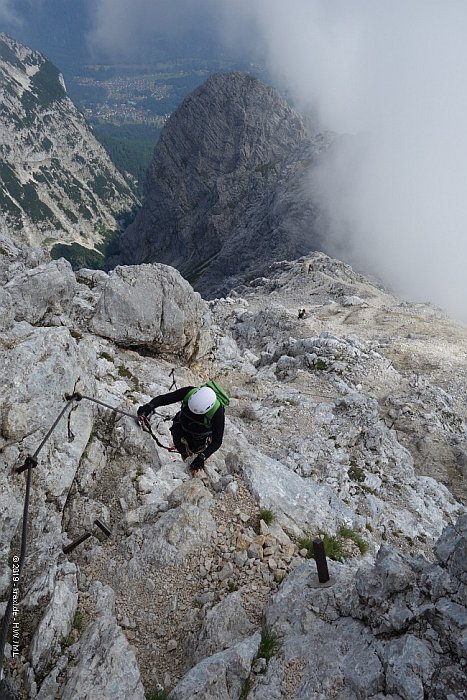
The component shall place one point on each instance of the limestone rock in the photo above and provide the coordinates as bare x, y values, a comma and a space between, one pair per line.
6, 311
290, 498
174, 536
225, 624
342, 634
56, 623
105, 666
37, 367
46, 289
152, 306
221, 676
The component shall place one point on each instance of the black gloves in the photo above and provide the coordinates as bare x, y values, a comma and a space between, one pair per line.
145, 410
197, 463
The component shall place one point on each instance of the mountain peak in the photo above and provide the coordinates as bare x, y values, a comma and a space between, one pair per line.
224, 192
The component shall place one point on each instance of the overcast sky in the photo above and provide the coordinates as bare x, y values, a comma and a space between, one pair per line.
390, 73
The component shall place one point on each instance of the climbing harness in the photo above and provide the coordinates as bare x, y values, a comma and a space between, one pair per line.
146, 426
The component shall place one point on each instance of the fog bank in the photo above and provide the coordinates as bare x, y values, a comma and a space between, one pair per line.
393, 76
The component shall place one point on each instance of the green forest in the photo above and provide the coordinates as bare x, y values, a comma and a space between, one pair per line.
130, 147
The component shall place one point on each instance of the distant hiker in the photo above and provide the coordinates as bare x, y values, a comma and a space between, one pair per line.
198, 427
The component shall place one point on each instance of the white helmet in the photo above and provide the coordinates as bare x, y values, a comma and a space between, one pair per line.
202, 400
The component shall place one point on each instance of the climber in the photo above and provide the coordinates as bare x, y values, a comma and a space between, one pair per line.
198, 427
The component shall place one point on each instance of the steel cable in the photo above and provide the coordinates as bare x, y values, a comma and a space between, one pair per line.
31, 461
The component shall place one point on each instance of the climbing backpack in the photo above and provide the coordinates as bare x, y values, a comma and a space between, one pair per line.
192, 425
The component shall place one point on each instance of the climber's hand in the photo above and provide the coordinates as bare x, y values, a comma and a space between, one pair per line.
145, 411
197, 464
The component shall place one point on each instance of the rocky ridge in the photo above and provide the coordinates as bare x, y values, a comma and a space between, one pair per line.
227, 187
57, 183
339, 393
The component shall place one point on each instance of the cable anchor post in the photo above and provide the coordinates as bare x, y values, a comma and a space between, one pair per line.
29, 462
76, 396
320, 560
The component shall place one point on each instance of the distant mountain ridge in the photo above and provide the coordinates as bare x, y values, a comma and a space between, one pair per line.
57, 183
227, 190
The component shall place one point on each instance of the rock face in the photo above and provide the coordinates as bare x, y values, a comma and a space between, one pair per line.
394, 629
225, 190
57, 184
204, 588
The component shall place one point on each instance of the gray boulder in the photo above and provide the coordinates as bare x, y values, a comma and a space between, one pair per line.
153, 307
17, 257
57, 620
381, 630
178, 532
46, 289
219, 677
225, 624
37, 367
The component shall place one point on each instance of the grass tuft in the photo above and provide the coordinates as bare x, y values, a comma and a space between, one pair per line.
266, 515
334, 547
157, 695
269, 644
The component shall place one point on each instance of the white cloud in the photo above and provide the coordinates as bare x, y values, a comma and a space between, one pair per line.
395, 73
7, 13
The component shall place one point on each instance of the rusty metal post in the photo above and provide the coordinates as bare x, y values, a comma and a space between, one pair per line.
320, 559
102, 530
70, 547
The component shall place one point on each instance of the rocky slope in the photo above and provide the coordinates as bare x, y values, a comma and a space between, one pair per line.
346, 420
57, 184
226, 189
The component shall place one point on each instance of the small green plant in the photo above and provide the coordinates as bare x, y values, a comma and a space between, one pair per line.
124, 372
321, 365
269, 644
355, 472
66, 642
266, 515
306, 543
157, 695
232, 586
348, 534
333, 546
78, 621
247, 686
106, 356
75, 334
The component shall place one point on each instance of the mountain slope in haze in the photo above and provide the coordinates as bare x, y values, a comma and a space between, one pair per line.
226, 189
57, 184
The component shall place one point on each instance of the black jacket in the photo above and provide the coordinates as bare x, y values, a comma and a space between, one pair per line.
217, 421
